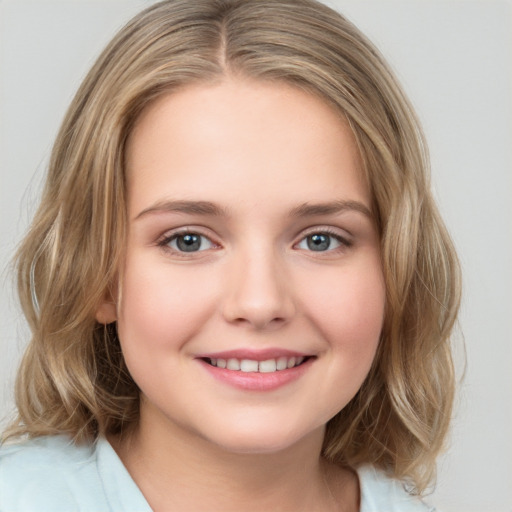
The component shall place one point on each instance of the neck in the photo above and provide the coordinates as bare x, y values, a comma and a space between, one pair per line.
180, 471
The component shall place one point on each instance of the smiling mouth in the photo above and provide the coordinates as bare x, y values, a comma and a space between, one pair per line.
253, 366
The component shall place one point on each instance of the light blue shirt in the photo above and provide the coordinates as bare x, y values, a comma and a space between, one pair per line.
50, 474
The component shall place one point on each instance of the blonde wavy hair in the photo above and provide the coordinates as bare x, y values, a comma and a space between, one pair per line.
73, 378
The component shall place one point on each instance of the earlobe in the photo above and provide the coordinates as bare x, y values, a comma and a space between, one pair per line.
106, 312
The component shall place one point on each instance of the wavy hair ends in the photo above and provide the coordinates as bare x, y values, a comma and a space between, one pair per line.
73, 378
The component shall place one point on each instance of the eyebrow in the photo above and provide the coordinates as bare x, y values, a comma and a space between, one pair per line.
330, 208
190, 207
208, 208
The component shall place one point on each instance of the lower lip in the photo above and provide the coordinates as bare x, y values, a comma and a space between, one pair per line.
255, 381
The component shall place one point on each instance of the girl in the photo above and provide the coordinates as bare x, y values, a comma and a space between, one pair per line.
239, 287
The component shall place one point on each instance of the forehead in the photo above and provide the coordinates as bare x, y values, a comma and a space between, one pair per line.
242, 140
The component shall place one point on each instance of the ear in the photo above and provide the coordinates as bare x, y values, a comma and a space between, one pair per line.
106, 312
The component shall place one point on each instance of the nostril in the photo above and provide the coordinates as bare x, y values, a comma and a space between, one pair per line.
260, 321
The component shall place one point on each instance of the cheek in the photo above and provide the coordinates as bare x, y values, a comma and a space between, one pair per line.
348, 308
161, 305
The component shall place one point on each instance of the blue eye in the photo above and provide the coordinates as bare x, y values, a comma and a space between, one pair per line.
321, 242
189, 242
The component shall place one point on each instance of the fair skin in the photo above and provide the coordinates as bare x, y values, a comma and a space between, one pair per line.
251, 242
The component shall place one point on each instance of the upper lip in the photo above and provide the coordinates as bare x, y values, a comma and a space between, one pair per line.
254, 355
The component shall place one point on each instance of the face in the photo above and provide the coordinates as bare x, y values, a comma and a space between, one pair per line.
252, 292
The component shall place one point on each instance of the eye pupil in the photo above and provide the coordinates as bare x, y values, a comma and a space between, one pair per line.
188, 242
318, 242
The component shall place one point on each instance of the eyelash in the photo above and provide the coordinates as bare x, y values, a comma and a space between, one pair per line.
164, 242
344, 242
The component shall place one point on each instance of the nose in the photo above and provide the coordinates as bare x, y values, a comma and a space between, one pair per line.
258, 292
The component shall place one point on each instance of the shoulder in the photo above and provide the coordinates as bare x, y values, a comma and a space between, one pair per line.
380, 492
50, 474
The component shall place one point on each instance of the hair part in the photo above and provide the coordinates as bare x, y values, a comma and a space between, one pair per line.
73, 378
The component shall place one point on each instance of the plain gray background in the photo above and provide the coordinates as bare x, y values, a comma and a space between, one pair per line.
454, 58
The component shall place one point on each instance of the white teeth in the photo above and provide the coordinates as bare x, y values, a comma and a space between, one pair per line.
291, 362
252, 366
268, 366
282, 363
247, 365
233, 364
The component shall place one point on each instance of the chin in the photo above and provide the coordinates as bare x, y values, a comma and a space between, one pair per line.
265, 441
